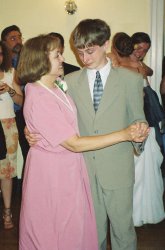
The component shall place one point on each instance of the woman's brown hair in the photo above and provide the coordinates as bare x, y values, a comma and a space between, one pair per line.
34, 61
122, 43
6, 63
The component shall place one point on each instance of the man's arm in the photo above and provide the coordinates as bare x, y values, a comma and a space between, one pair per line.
135, 106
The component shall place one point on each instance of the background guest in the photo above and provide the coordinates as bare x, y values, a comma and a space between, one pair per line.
10, 92
12, 38
141, 43
148, 188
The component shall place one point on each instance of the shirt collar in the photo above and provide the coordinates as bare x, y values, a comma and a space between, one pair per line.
106, 68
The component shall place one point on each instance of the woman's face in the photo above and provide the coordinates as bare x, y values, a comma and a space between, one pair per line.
1, 55
141, 50
56, 61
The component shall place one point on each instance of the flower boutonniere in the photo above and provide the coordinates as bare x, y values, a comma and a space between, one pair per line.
61, 84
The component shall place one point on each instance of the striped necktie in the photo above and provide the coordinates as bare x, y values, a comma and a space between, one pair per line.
97, 91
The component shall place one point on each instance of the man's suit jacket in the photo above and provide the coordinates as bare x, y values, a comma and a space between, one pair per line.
121, 105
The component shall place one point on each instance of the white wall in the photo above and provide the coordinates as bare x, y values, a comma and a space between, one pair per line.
42, 16
157, 14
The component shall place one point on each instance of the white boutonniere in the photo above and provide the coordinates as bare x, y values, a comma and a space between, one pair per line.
61, 84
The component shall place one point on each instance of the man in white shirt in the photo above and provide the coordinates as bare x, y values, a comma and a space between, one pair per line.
107, 99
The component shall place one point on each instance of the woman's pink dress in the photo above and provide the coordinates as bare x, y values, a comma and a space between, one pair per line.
57, 211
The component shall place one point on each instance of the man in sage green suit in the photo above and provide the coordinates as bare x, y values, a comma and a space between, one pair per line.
111, 170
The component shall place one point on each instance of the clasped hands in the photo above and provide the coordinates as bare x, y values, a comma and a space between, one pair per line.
138, 131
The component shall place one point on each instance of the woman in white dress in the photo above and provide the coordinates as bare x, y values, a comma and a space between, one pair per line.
149, 188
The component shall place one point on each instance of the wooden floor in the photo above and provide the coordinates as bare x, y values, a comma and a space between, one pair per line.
150, 237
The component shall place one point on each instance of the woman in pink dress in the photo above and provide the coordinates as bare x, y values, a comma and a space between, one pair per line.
57, 211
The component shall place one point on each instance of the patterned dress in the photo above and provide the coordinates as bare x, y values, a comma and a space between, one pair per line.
8, 166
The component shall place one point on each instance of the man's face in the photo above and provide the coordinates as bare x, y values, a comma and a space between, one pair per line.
93, 57
13, 41
141, 50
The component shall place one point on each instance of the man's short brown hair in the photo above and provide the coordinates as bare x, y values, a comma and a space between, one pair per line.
90, 32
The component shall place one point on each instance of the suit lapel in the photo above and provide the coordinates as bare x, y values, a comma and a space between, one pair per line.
110, 92
84, 94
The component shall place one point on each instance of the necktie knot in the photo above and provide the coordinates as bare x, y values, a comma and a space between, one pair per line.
98, 75
98, 78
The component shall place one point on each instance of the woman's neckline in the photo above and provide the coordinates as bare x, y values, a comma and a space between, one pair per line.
39, 82
65, 101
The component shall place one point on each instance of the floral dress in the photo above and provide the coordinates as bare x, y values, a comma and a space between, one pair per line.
8, 165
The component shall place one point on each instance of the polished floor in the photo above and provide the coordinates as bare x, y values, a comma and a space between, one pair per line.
150, 237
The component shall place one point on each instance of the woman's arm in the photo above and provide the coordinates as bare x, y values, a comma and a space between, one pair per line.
135, 132
114, 59
15, 92
18, 97
147, 71
124, 62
